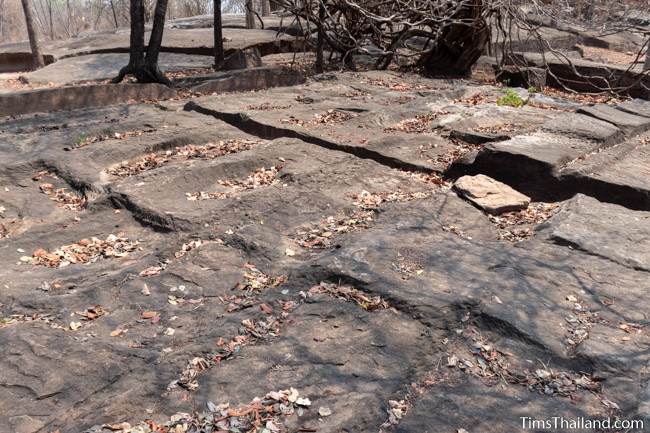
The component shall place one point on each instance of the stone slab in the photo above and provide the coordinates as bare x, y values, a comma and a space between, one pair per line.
324, 354
591, 76
629, 123
249, 79
604, 230
96, 95
638, 107
626, 175
581, 126
473, 137
402, 123
105, 66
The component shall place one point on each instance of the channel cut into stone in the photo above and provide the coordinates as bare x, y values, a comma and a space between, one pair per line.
491, 195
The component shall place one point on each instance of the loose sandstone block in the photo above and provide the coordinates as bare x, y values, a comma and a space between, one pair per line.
490, 195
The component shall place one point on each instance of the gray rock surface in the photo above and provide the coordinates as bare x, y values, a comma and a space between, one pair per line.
306, 238
605, 230
575, 153
584, 127
105, 66
629, 123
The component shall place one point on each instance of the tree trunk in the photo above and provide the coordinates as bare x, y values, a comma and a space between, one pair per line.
151, 72
266, 8
460, 44
49, 6
219, 56
646, 65
114, 14
250, 15
69, 11
136, 47
145, 68
33, 37
591, 11
320, 43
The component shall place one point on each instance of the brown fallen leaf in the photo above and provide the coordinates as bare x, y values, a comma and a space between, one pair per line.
266, 309
149, 314
40, 253
117, 332
151, 271
92, 313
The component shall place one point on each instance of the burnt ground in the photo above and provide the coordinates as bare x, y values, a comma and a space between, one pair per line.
299, 254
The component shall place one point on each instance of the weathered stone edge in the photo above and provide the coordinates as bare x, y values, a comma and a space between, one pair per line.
71, 98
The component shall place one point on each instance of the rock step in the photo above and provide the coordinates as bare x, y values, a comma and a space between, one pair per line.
248, 79
604, 230
595, 151
626, 121
70, 98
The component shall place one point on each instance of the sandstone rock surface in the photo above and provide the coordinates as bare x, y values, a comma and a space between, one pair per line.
303, 245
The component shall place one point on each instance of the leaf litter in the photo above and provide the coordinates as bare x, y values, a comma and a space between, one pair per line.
250, 332
518, 225
262, 415
487, 362
254, 282
269, 326
329, 117
85, 140
13, 319
418, 125
447, 159
392, 84
266, 106
183, 153
83, 252
321, 234
185, 249
348, 293
68, 200
262, 177
579, 322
